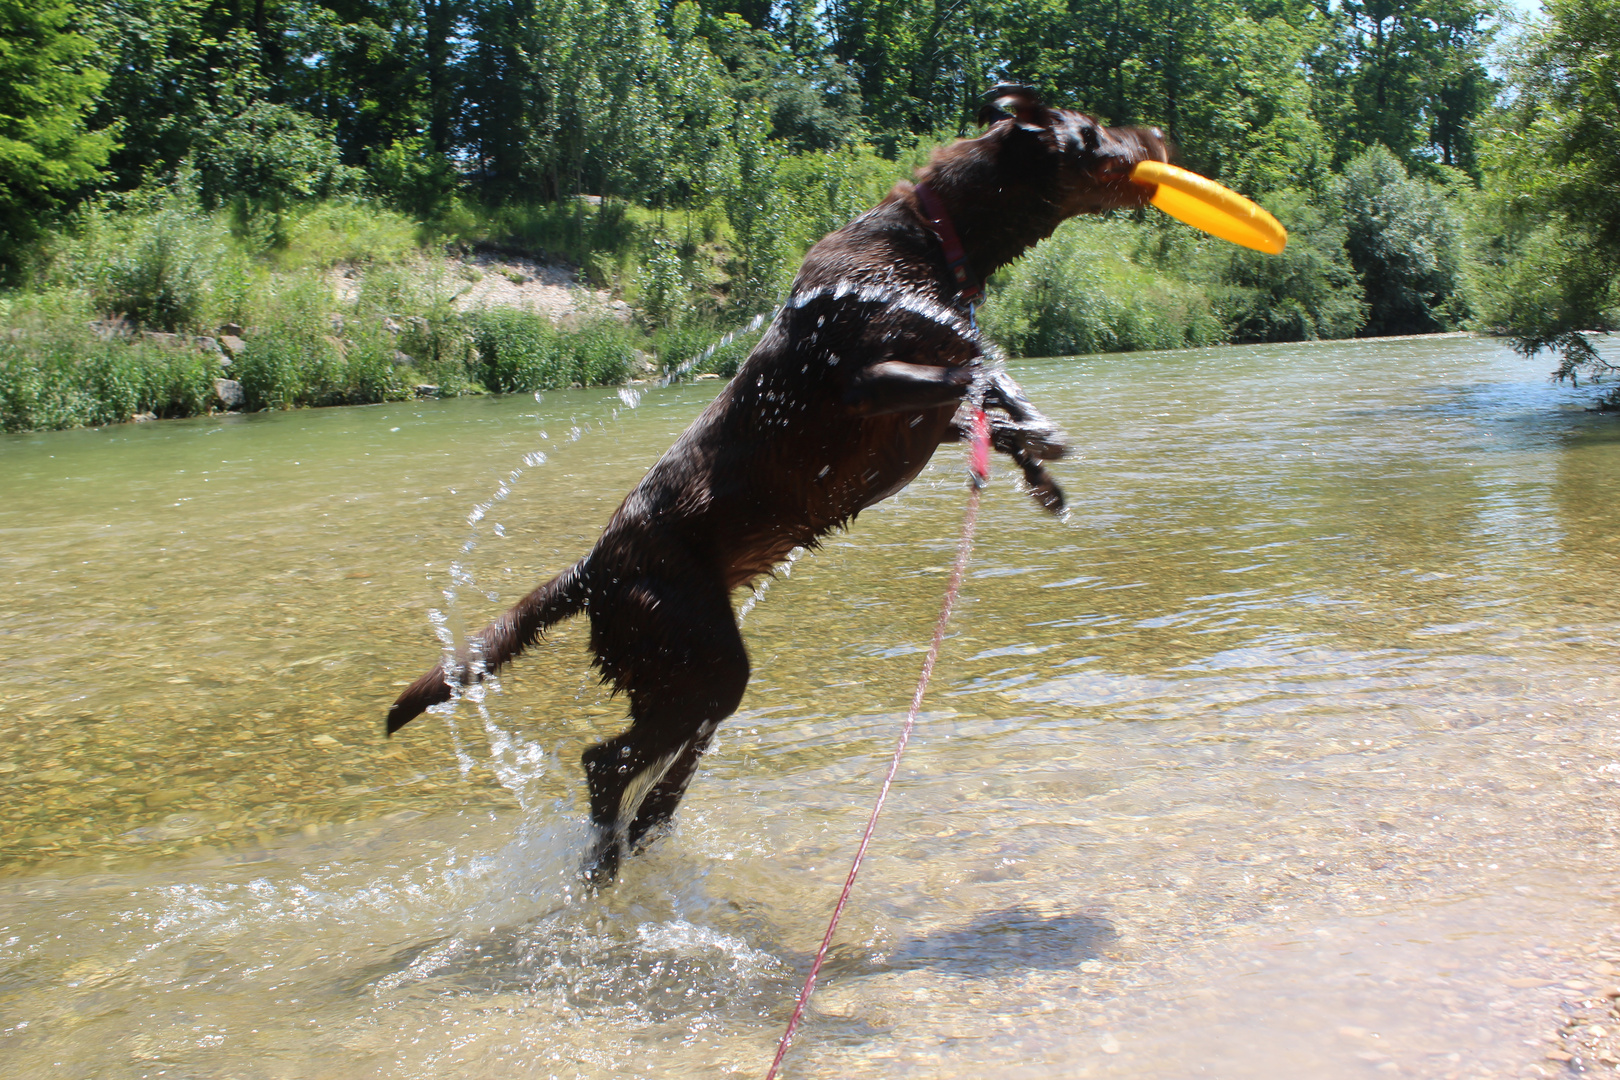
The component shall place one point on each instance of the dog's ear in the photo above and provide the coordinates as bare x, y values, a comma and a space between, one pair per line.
1010, 101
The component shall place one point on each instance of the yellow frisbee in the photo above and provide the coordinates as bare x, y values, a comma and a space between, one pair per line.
1206, 205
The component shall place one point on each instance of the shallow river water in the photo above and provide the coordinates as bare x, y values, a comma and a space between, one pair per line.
1294, 751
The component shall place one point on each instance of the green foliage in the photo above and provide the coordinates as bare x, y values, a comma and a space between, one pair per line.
605, 239
816, 193
1075, 294
520, 350
1308, 292
155, 266
415, 307
47, 152
292, 357
266, 157
813, 100
1407, 75
56, 372
1257, 131
348, 231
756, 218
664, 286
696, 346
1403, 240
415, 178
370, 371
1547, 233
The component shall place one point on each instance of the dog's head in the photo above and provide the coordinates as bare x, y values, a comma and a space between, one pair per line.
1084, 166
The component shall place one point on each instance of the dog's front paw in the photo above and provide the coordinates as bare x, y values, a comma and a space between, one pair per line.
601, 865
1043, 442
1028, 441
1043, 488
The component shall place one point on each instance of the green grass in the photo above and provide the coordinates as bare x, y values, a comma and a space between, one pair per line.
517, 350
55, 377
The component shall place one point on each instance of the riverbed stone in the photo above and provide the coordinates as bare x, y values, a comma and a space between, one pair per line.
229, 392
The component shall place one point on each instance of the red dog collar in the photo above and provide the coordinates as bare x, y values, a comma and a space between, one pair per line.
955, 257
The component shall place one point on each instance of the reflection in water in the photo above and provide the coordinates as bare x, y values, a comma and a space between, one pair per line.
1293, 752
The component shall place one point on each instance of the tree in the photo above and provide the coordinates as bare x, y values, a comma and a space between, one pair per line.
813, 101
1552, 264
1402, 240
1408, 75
47, 151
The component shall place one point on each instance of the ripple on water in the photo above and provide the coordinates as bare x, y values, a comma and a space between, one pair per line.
1292, 752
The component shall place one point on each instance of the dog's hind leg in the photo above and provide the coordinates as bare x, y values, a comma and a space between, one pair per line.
675, 649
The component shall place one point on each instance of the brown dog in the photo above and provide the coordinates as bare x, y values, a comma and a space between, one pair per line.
855, 384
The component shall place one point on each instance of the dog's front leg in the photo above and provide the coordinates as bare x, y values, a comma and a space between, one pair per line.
892, 386
1023, 434
1035, 433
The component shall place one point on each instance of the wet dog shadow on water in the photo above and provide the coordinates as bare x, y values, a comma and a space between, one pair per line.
599, 959
997, 942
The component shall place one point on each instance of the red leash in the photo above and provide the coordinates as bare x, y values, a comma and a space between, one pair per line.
979, 472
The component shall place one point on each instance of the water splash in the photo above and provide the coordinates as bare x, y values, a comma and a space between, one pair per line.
674, 374
785, 570
518, 763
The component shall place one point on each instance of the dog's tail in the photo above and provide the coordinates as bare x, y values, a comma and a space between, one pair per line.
497, 643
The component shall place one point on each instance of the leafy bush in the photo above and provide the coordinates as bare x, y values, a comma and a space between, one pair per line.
1075, 294
47, 86
267, 155
696, 346
292, 357
521, 350
1403, 241
1307, 292
1543, 284
663, 283
56, 377
761, 269
370, 373
575, 229
427, 329
414, 177
820, 192
157, 272
347, 231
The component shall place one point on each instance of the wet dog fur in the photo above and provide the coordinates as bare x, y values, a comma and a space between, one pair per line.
860, 378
